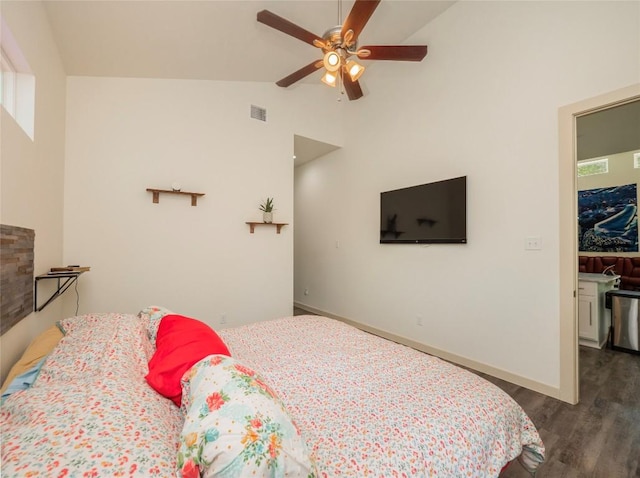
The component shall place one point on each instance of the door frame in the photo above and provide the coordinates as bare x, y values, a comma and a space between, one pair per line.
568, 230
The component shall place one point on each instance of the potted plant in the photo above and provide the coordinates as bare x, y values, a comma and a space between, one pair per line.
267, 210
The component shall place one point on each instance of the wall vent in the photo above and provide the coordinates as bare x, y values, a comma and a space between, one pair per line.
258, 113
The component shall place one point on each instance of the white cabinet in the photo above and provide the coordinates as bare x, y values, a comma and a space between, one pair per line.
593, 319
588, 314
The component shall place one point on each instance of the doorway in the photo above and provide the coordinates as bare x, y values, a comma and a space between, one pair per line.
307, 152
568, 250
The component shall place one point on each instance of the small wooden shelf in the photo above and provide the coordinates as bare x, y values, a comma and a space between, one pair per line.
156, 195
278, 225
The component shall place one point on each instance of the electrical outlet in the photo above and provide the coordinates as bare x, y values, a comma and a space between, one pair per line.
533, 243
223, 319
419, 320
306, 291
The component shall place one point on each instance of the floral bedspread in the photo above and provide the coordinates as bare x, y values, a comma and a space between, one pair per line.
364, 406
369, 407
90, 412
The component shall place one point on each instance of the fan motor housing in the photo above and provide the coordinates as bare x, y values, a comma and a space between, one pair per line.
333, 38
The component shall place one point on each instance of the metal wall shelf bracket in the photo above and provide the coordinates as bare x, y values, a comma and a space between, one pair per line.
69, 279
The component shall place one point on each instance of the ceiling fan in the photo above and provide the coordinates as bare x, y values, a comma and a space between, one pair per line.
339, 44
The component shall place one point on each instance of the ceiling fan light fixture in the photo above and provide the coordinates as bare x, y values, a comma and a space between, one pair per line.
331, 61
338, 45
355, 69
329, 79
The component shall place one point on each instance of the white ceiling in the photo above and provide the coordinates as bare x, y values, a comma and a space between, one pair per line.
610, 131
305, 149
211, 40
215, 39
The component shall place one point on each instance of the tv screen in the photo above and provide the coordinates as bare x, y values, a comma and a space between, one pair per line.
428, 213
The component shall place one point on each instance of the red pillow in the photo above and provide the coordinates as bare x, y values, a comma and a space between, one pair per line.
180, 343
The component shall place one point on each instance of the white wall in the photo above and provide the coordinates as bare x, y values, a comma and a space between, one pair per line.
126, 135
484, 103
31, 172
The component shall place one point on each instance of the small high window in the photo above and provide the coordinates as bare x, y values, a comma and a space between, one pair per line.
593, 166
17, 83
7, 83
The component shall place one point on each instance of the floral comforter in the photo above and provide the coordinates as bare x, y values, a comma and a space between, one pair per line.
370, 407
90, 412
364, 406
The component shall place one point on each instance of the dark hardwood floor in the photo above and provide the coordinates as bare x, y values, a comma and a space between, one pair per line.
600, 436
597, 438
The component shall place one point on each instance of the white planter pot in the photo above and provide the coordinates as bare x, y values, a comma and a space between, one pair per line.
267, 217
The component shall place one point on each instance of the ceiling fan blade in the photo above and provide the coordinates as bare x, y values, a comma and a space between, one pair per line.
359, 16
352, 88
395, 52
298, 75
285, 26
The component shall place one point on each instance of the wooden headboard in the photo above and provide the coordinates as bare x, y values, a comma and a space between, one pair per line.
16, 274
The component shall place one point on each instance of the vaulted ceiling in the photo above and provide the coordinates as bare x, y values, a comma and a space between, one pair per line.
211, 40
221, 40
215, 40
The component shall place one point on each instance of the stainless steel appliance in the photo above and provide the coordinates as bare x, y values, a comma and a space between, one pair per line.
625, 319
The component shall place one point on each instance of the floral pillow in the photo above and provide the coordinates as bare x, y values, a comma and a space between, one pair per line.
235, 426
152, 316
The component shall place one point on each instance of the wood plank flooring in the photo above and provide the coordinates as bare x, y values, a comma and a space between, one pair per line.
597, 438
600, 436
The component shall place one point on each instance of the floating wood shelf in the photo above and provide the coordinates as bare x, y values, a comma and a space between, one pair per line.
156, 195
278, 225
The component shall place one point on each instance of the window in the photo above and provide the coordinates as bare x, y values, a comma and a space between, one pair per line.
17, 83
7, 83
593, 166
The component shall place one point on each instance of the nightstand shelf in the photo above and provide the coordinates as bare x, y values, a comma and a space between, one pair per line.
69, 279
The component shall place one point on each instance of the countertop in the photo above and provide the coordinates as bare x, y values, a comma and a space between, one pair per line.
599, 278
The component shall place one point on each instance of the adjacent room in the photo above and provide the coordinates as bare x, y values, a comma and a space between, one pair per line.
193, 157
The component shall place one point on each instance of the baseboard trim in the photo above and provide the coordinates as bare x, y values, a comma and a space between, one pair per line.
448, 356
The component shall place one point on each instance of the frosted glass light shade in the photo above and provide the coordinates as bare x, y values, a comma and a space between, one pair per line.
329, 79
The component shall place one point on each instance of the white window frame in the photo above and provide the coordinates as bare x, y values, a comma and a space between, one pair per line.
18, 83
8, 83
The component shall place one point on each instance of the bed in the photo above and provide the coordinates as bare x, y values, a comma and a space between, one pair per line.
329, 400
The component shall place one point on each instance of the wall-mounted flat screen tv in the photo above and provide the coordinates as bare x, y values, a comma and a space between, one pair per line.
433, 213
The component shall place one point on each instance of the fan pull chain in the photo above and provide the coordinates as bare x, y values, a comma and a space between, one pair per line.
341, 75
